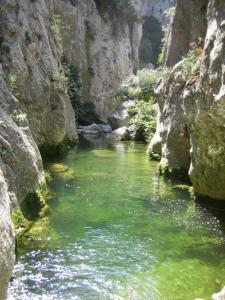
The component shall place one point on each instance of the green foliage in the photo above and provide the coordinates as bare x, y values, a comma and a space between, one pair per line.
143, 121
48, 176
161, 56
35, 202
169, 12
13, 83
190, 65
18, 219
84, 109
18, 116
141, 88
50, 151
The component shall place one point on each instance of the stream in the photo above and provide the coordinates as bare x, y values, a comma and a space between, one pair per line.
119, 231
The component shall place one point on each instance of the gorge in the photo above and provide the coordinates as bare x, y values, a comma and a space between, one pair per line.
99, 43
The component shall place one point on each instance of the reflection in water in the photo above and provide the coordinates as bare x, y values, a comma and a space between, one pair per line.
122, 233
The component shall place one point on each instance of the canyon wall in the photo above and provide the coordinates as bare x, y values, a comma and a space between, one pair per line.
192, 110
104, 45
35, 108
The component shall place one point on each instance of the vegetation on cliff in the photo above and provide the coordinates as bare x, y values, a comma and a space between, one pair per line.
141, 88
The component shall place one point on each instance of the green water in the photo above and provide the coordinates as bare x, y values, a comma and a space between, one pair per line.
121, 232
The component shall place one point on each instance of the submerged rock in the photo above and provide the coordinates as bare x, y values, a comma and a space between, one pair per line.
95, 129
106, 128
92, 129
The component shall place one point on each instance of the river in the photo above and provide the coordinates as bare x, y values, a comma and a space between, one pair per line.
121, 232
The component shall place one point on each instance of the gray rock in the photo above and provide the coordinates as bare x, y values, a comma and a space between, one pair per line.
7, 241
105, 128
119, 134
120, 117
220, 295
110, 57
92, 129
192, 113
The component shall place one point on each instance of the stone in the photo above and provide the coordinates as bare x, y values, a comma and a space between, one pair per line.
220, 295
192, 113
92, 129
106, 128
119, 134
120, 116
7, 241
105, 54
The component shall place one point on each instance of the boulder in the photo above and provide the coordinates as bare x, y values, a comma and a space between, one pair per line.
120, 116
220, 295
95, 129
92, 129
106, 128
119, 134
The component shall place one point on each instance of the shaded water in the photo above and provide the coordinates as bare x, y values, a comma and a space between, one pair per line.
121, 232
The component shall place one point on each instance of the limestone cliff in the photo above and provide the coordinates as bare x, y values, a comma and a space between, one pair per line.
104, 44
192, 109
34, 109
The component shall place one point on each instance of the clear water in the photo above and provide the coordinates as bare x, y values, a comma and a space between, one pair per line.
122, 233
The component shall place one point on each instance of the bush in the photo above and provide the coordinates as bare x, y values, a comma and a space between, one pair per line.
191, 65
141, 88
84, 109
143, 120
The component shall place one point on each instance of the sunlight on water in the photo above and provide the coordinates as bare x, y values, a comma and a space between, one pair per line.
122, 233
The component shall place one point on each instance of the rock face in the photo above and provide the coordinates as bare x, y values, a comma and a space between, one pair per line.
34, 109
30, 57
104, 47
7, 245
189, 24
192, 113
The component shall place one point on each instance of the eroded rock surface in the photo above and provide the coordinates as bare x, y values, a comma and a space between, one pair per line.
104, 47
34, 109
192, 112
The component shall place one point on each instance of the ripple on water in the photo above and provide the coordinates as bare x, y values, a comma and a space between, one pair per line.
123, 234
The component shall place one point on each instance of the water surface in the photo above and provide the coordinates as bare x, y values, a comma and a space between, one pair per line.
120, 232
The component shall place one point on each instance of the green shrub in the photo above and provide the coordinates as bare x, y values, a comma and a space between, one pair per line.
18, 219
143, 120
141, 88
18, 116
84, 109
12, 81
190, 65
